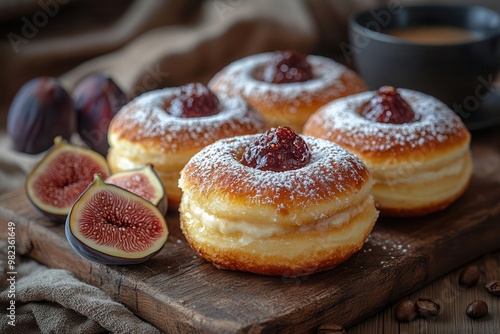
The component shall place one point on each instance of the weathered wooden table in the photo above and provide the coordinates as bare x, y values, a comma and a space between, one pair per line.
453, 300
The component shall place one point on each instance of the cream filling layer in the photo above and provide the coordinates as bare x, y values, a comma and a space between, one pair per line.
126, 157
266, 230
417, 172
418, 194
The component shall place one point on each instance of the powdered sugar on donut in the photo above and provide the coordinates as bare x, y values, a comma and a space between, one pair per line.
333, 173
241, 78
146, 118
341, 122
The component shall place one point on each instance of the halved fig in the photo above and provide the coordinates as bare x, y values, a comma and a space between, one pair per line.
111, 225
143, 182
61, 176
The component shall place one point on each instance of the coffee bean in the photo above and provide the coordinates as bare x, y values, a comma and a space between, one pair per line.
331, 329
493, 287
405, 311
477, 309
428, 307
469, 276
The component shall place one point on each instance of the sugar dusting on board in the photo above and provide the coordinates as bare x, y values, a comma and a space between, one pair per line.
391, 249
332, 172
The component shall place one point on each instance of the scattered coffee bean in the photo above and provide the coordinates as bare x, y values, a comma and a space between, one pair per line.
469, 276
428, 307
477, 309
493, 287
405, 311
331, 329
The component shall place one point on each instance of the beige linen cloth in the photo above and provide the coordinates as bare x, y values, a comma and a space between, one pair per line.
147, 44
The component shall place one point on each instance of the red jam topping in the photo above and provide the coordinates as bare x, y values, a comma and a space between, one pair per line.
194, 100
287, 66
278, 149
387, 106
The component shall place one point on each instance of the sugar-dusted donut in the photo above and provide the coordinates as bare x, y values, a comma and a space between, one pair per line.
276, 203
285, 86
416, 148
166, 127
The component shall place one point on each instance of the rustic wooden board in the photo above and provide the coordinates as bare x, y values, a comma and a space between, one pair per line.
180, 293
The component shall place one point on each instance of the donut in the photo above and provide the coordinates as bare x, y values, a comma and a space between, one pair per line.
287, 87
288, 221
417, 149
166, 127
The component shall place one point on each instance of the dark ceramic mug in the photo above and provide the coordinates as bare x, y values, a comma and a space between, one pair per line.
461, 74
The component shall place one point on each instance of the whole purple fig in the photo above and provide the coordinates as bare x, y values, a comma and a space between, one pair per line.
41, 110
97, 99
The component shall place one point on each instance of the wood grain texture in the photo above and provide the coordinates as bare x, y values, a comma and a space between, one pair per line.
453, 300
180, 293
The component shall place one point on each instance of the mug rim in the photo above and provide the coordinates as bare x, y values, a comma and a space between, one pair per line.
358, 27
